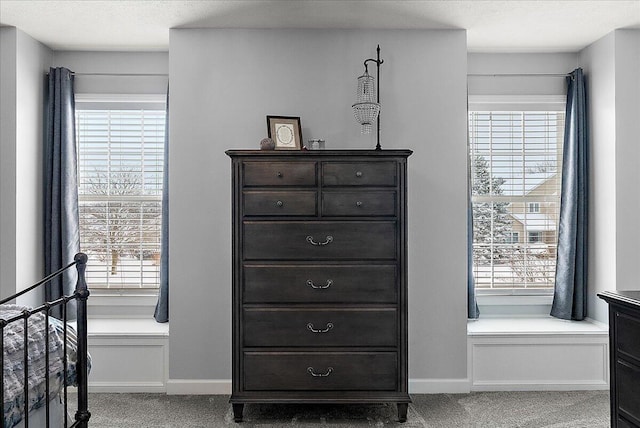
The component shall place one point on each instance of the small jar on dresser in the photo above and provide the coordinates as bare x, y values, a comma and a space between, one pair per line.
624, 344
319, 277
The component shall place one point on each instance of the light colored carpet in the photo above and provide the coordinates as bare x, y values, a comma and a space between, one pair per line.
579, 409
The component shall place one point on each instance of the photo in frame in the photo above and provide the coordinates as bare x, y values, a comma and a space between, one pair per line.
285, 131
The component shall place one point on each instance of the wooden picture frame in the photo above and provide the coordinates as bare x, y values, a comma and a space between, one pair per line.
285, 131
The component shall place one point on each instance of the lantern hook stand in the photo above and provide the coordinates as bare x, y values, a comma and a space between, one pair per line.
378, 61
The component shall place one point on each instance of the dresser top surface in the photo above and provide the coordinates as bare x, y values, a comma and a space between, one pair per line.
628, 297
321, 153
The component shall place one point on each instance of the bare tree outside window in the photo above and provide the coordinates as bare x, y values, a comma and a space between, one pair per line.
119, 227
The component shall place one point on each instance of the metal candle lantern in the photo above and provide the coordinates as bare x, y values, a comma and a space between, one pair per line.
367, 108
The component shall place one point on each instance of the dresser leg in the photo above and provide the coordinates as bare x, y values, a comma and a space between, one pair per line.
237, 412
402, 412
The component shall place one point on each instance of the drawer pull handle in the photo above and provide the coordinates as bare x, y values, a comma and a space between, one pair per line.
279, 203
313, 373
279, 174
314, 330
328, 240
321, 287
358, 203
358, 174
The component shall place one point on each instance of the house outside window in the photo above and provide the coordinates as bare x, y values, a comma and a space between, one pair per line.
516, 158
120, 148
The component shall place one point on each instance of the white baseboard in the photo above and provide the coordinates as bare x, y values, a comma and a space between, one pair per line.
127, 387
439, 386
554, 385
199, 387
223, 386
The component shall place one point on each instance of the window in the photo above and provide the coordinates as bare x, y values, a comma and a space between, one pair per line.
534, 237
120, 165
516, 159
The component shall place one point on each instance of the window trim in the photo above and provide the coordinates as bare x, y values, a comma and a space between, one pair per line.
526, 297
93, 101
517, 103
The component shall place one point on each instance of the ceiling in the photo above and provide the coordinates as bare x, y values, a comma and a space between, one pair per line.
492, 26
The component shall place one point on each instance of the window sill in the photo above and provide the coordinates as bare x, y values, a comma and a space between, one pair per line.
110, 306
101, 327
514, 326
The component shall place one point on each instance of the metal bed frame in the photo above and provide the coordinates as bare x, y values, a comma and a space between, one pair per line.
80, 295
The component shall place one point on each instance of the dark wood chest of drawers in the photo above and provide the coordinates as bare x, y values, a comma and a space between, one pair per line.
319, 277
624, 334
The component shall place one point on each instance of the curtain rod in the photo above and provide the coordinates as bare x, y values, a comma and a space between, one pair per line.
121, 74
519, 75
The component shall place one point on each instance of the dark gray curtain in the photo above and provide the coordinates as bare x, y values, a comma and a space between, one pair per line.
162, 307
472, 305
570, 296
61, 225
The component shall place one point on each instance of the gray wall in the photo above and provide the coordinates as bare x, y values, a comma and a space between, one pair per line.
627, 132
33, 61
25, 62
224, 83
8, 70
611, 67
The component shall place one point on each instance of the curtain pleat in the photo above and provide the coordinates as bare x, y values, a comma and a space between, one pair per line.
61, 224
162, 307
570, 295
472, 305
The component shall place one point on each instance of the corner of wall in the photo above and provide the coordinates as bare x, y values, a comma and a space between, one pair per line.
8, 73
22, 204
614, 165
627, 129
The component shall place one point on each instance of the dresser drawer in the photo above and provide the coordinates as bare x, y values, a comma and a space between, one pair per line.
358, 203
628, 383
359, 173
319, 327
260, 203
279, 173
319, 284
320, 371
318, 240
628, 335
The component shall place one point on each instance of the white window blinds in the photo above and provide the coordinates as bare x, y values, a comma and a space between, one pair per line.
120, 165
516, 162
